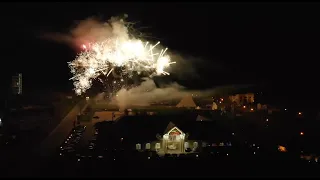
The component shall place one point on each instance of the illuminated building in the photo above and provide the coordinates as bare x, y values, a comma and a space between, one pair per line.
176, 135
17, 84
241, 99
173, 141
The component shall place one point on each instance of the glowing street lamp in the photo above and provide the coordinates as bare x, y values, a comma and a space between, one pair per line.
301, 133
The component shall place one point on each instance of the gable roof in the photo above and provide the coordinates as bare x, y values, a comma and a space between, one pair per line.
214, 106
202, 118
187, 102
171, 126
145, 128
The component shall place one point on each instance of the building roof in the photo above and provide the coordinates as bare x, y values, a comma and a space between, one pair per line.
142, 129
187, 102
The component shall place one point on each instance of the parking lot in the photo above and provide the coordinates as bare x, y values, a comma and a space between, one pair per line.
72, 142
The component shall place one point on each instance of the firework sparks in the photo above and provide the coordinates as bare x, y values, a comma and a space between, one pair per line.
132, 54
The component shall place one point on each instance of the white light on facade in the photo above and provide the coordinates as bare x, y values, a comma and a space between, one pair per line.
166, 136
148, 146
186, 145
138, 146
195, 144
158, 146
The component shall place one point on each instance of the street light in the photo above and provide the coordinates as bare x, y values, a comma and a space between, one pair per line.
301, 133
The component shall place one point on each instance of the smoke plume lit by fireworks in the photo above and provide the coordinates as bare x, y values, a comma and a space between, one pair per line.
117, 49
147, 93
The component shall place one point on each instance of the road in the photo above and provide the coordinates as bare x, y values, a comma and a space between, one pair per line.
58, 135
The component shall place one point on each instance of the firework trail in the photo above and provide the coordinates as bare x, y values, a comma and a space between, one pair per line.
118, 49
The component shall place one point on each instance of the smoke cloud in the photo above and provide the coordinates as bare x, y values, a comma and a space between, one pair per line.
90, 30
148, 93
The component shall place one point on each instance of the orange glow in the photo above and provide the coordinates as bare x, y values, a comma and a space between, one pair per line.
244, 106
221, 99
300, 113
301, 133
251, 109
282, 149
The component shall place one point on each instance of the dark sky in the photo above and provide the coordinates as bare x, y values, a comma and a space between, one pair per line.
236, 42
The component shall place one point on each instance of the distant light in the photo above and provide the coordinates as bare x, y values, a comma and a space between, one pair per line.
197, 155
114, 159
282, 149
227, 154
220, 102
78, 160
148, 157
267, 120
244, 106
251, 109
221, 99
285, 109
300, 113
254, 152
233, 134
301, 133
60, 154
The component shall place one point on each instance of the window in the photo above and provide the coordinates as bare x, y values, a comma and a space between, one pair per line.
172, 138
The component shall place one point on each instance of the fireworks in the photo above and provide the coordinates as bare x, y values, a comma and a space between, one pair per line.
118, 50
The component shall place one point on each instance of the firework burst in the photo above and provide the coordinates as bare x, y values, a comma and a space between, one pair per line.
118, 50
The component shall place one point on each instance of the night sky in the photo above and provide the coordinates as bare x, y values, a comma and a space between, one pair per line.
235, 42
